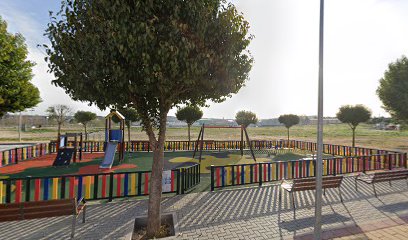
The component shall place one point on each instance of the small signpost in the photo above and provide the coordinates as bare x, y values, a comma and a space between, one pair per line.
166, 181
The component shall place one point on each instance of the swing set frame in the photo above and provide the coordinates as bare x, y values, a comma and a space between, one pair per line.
200, 140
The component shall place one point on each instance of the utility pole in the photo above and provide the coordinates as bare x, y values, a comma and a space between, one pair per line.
319, 161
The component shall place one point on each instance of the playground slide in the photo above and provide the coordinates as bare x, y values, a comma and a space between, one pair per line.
64, 157
109, 155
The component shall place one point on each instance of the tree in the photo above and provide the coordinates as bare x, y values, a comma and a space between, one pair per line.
289, 120
16, 91
393, 89
152, 56
59, 113
189, 114
245, 118
84, 118
353, 116
130, 115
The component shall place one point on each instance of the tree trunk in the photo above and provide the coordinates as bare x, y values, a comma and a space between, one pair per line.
354, 136
155, 188
86, 133
59, 129
128, 145
288, 136
189, 138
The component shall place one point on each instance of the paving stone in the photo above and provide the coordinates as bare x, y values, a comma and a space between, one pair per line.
245, 213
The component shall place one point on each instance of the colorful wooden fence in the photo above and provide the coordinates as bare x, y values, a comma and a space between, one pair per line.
93, 187
15, 155
135, 146
242, 174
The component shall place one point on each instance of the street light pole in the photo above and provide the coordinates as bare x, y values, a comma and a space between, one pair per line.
319, 161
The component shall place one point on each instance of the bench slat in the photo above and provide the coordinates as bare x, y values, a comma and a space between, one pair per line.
48, 202
9, 205
383, 176
6, 218
48, 208
46, 214
304, 184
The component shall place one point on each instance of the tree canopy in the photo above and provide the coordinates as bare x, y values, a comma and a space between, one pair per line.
245, 118
59, 113
84, 117
189, 114
149, 55
289, 120
152, 55
353, 116
130, 115
393, 89
16, 91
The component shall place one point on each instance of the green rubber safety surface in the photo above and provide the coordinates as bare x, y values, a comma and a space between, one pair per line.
142, 161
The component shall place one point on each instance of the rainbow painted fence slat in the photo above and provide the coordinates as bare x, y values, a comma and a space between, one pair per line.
13, 156
135, 146
242, 174
92, 187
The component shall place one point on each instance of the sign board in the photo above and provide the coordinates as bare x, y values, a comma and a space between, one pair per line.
166, 181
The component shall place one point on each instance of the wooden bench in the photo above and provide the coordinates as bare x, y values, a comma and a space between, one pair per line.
43, 209
304, 184
376, 177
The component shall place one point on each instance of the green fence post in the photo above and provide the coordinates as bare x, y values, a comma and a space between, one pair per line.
178, 181
8, 191
389, 162
335, 166
16, 154
183, 176
260, 174
110, 187
96, 185
63, 182
28, 189
212, 177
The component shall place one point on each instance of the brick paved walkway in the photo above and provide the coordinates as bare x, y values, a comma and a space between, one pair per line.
246, 213
399, 232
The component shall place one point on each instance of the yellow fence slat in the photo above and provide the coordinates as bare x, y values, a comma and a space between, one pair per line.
55, 188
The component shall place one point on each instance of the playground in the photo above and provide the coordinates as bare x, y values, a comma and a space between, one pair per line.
142, 161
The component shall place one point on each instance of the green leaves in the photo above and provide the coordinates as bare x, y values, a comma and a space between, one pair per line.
84, 117
393, 89
189, 114
151, 55
289, 120
353, 115
130, 115
16, 91
245, 118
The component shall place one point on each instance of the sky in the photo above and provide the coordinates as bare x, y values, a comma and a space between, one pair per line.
361, 38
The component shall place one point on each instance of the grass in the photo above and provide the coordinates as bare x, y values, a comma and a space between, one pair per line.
366, 135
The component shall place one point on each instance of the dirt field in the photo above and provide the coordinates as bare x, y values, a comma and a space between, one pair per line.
337, 134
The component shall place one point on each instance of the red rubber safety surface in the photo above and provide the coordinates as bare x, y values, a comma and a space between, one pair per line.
47, 161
